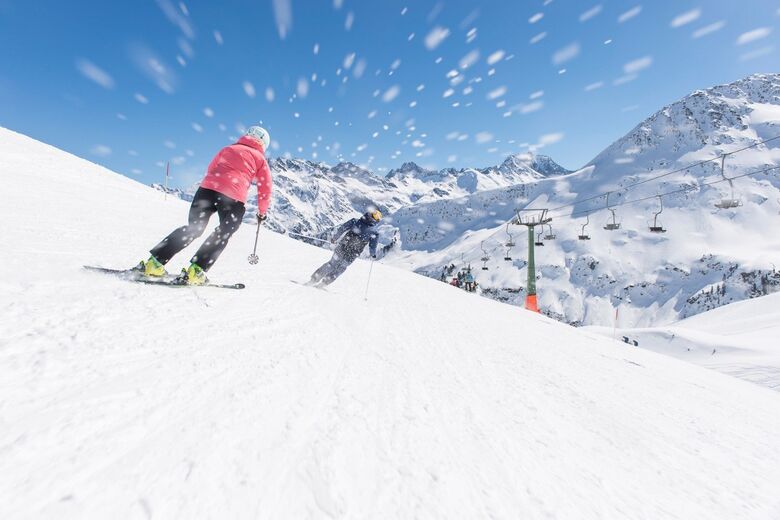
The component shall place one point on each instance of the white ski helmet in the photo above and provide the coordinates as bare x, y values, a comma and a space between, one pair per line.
261, 134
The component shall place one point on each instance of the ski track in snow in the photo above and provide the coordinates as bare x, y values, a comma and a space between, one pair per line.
121, 400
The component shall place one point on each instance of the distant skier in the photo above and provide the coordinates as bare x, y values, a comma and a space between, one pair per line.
469, 282
352, 238
222, 191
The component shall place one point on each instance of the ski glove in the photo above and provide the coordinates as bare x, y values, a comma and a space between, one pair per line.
261, 218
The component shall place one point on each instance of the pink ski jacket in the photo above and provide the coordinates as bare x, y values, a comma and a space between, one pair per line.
234, 168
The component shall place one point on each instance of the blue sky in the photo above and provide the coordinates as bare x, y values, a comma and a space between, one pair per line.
133, 85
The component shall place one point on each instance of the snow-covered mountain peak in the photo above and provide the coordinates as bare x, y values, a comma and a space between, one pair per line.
281, 164
531, 165
704, 124
349, 169
411, 169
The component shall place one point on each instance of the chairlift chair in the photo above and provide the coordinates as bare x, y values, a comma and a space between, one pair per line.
732, 202
539, 239
550, 235
485, 258
657, 228
509, 245
582, 235
614, 225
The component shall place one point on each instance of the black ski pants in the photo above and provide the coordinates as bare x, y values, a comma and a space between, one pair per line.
346, 252
204, 205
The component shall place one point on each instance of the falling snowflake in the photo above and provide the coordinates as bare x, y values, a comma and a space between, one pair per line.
94, 73
469, 59
685, 18
302, 89
100, 150
435, 37
249, 89
708, 29
483, 137
755, 34
282, 16
566, 53
591, 13
631, 13
391, 93
497, 93
637, 65
496, 57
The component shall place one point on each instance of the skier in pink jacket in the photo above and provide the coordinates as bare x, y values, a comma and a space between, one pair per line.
223, 191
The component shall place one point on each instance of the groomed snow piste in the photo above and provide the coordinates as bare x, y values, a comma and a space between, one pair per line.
740, 339
120, 400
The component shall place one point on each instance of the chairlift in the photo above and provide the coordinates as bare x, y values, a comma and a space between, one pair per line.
539, 239
550, 235
732, 202
485, 256
614, 225
657, 228
582, 235
509, 245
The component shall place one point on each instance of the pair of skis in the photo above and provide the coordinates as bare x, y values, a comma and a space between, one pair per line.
135, 275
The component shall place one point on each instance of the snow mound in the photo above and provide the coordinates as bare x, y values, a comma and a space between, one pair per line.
738, 339
280, 401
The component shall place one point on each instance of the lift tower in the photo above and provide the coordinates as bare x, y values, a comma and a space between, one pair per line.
531, 218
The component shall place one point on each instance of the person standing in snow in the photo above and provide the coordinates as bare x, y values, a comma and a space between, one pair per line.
470, 283
223, 191
352, 238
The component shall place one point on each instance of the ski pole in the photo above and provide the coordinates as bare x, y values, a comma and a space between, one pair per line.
307, 236
370, 268
253, 258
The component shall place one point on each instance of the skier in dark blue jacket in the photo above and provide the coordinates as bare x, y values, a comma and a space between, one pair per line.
352, 237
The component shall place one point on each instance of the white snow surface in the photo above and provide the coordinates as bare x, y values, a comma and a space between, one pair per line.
739, 339
121, 400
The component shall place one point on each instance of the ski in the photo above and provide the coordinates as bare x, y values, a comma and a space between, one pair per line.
134, 275
313, 286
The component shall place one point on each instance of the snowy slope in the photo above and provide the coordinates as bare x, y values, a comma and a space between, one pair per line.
652, 278
120, 400
739, 339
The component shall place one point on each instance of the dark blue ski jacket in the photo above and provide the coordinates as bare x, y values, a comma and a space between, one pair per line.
357, 232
